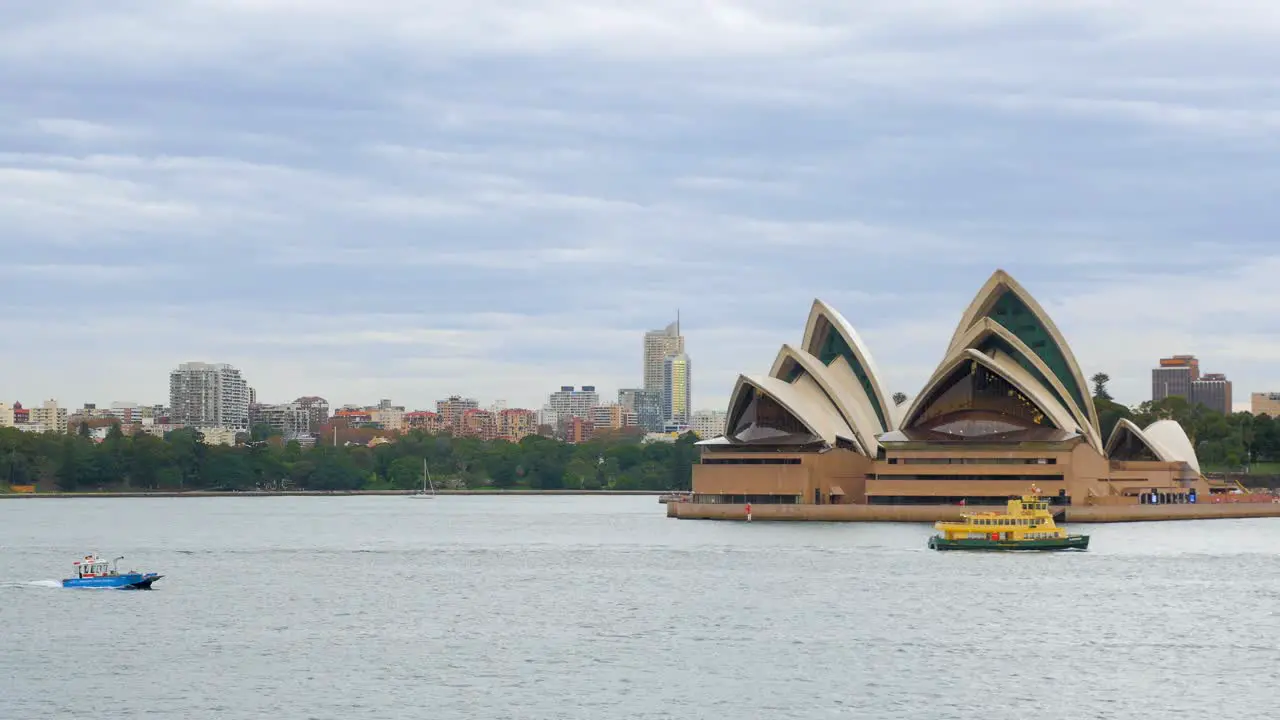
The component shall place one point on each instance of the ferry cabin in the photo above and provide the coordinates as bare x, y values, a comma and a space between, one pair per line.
1011, 528
1026, 519
92, 567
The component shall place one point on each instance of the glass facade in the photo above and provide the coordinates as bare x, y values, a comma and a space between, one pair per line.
1011, 312
973, 401
760, 418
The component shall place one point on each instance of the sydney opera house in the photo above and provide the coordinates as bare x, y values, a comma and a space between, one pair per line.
1007, 407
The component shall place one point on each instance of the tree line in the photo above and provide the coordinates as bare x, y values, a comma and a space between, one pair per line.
182, 461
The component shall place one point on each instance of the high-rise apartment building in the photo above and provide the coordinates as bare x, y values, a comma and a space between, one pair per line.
209, 395
451, 410
658, 346
646, 404
317, 409
676, 388
6, 415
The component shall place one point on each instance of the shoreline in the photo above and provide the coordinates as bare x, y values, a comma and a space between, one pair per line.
523, 492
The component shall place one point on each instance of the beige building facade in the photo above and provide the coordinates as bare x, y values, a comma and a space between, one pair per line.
1265, 403
49, 416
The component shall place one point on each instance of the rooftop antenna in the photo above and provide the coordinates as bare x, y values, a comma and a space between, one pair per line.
677, 322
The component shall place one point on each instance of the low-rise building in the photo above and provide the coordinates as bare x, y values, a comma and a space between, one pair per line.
613, 416
576, 430
1265, 403
50, 416
707, 424
218, 435
423, 420
291, 420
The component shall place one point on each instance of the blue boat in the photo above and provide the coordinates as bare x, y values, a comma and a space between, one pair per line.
94, 572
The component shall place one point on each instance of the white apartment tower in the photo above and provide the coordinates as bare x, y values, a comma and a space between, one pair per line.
209, 395
658, 346
568, 402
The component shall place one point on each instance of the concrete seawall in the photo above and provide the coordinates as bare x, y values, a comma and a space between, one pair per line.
320, 493
934, 513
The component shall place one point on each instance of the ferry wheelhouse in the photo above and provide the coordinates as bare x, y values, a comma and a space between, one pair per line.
1026, 524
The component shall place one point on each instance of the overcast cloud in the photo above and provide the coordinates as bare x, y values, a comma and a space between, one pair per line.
411, 199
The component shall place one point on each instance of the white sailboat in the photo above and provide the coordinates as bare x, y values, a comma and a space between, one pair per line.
426, 481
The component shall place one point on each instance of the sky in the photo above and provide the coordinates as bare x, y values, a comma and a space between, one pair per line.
407, 200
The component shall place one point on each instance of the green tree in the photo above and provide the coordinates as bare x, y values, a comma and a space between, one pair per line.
226, 468
405, 473
1100, 381
261, 431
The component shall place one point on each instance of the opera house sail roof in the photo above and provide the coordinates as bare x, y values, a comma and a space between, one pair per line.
1008, 375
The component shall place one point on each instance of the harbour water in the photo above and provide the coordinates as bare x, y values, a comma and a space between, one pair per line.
586, 607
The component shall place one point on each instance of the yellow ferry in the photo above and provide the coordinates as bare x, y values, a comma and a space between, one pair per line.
1026, 524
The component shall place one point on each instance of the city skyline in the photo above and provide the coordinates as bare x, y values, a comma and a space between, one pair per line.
502, 213
487, 401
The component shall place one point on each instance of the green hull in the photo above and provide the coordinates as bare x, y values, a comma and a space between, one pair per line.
1071, 542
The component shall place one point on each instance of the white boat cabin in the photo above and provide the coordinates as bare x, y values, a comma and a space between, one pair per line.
93, 566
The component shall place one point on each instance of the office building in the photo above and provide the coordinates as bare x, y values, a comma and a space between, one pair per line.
676, 389
1179, 376
647, 406
1174, 377
658, 346
1212, 390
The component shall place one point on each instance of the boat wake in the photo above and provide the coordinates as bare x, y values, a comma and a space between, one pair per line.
34, 583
